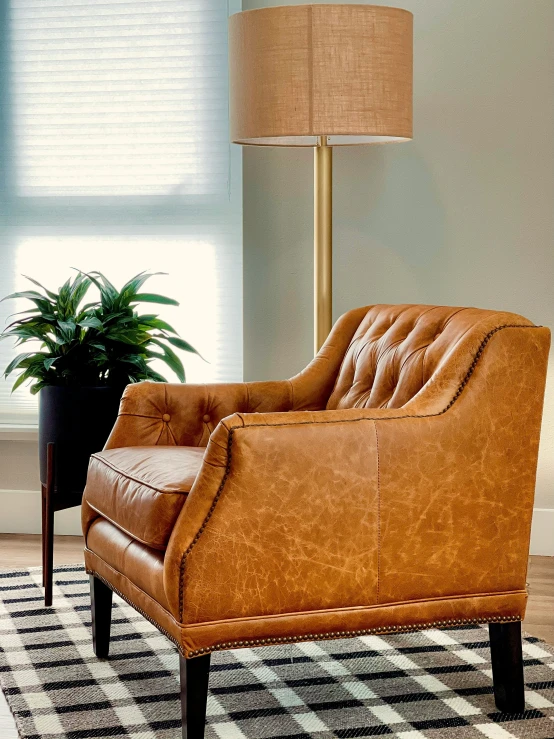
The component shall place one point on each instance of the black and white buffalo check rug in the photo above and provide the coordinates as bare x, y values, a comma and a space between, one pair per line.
427, 685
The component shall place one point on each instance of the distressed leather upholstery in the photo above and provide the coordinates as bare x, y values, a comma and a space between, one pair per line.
389, 486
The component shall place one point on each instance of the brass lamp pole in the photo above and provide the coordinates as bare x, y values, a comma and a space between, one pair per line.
321, 76
323, 241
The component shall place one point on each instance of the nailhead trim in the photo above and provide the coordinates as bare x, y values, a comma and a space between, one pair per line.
461, 387
306, 637
205, 522
347, 634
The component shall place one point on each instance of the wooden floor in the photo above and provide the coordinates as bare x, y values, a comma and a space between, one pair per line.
23, 550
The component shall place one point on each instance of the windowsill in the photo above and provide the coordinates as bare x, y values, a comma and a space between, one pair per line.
18, 432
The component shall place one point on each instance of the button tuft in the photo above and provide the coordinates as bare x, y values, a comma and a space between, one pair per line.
166, 417
206, 418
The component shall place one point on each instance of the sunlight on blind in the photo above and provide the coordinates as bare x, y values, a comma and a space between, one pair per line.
119, 161
120, 98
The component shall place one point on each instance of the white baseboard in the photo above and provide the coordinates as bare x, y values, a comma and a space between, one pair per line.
20, 513
542, 532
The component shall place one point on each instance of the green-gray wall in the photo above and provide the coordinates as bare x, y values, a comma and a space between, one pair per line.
462, 215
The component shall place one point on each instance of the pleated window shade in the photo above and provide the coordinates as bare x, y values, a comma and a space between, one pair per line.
116, 156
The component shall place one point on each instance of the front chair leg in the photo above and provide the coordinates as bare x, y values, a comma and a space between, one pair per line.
507, 667
195, 674
101, 610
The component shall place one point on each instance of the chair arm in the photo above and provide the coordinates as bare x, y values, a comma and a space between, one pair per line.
322, 510
185, 415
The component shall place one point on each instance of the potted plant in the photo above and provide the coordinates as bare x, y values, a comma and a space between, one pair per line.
82, 357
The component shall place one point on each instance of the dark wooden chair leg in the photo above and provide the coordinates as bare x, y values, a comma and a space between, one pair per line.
195, 675
507, 667
101, 610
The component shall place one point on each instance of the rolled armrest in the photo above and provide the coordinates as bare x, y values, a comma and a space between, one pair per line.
158, 413
309, 510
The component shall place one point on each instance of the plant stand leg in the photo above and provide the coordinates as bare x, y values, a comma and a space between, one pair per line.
101, 611
195, 675
48, 527
43, 533
507, 667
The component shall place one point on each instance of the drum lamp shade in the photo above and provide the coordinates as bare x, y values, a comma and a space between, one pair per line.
305, 71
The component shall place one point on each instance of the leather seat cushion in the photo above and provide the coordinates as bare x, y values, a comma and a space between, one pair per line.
144, 567
141, 490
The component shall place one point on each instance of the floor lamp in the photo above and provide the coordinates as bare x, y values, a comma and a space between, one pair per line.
321, 76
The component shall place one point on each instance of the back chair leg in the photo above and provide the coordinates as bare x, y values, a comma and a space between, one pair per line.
195, 675
101, 610
507, 667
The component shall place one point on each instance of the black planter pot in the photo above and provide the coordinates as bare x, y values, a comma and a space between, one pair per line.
78, 420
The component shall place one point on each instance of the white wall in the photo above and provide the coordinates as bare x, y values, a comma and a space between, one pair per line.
462, 215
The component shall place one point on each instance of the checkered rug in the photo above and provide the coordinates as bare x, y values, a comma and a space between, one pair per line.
428, 685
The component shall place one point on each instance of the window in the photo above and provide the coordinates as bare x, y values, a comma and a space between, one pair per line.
115, 155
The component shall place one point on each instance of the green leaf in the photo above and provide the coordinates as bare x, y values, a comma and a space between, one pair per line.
67, 330
182, 344
20, 380
29, 294
129, 290
16, 362
24, 376
153, 298
171, 359
49, 362
50, 294
91, 322
157, 323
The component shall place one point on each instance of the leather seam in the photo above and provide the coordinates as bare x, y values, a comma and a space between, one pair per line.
359, 608
137, 480
134, 537
140, 415
172, 434
232, 429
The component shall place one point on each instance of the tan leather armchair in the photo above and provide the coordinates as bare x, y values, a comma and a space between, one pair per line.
388, 487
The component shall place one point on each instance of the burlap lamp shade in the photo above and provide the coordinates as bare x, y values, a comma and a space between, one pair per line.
299, 72
321, 76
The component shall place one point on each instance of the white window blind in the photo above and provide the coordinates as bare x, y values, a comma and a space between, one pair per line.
114, 141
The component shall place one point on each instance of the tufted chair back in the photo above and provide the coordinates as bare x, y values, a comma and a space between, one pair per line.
396, 350
378, 356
